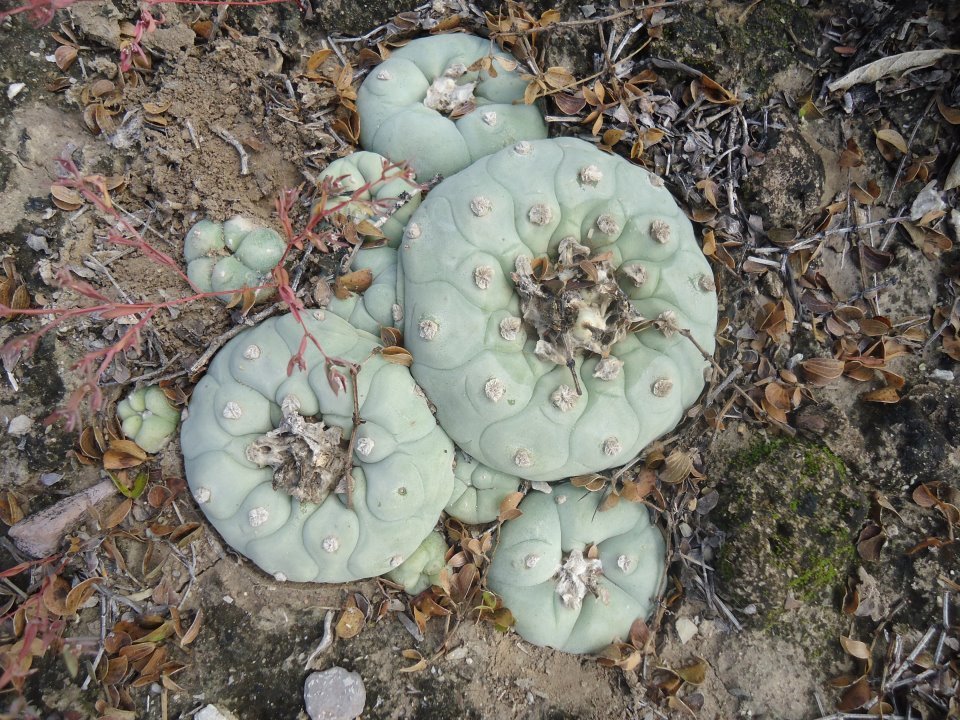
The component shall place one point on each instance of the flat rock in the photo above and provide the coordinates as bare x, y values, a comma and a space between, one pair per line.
334, 694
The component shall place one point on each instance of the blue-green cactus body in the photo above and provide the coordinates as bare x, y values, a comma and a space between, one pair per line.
402, 462
148, 418
422, 568
377, 306
543, 555
478, 491
386, 188
228, 257
404, 105
476, 356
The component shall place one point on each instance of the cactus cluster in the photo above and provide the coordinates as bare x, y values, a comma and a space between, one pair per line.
556, 306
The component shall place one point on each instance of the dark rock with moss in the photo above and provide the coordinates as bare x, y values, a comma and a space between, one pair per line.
790, 512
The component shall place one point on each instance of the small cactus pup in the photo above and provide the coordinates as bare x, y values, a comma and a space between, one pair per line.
148, 418
228, 257
375, 307
273, 462
576, 578
375, 191
478, 491
422, 569
554, 298
425, 105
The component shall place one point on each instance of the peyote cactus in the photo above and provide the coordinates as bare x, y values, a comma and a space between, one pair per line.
423, 105
272, 479
231, 256
422, 568
377, 306
478, 490
546, 290
148, 418
379, 203
573, 577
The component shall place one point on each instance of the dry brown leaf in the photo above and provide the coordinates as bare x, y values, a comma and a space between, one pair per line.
350, 623
892, 65
65, 56
822, 371
855, 696
508, 507
884, 395
397, 356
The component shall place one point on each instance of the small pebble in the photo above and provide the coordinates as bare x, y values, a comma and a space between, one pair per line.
334, 694
686, 630
212, 712
20, 425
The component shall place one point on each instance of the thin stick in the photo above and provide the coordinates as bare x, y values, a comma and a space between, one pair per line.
231, 140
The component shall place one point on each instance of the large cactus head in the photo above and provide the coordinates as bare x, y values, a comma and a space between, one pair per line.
554, 298
424, 105
576, 578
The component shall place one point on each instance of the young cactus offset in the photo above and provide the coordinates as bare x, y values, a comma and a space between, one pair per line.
422, 569
478, 491
425, 106
228, 257
576, 578
266, 454
148, 418
376, 307
385, 198
547, 294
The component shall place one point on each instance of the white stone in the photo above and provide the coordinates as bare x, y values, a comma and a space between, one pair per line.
686, 630
279, 577
20, 425
334, 694
212, 712
655, 180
